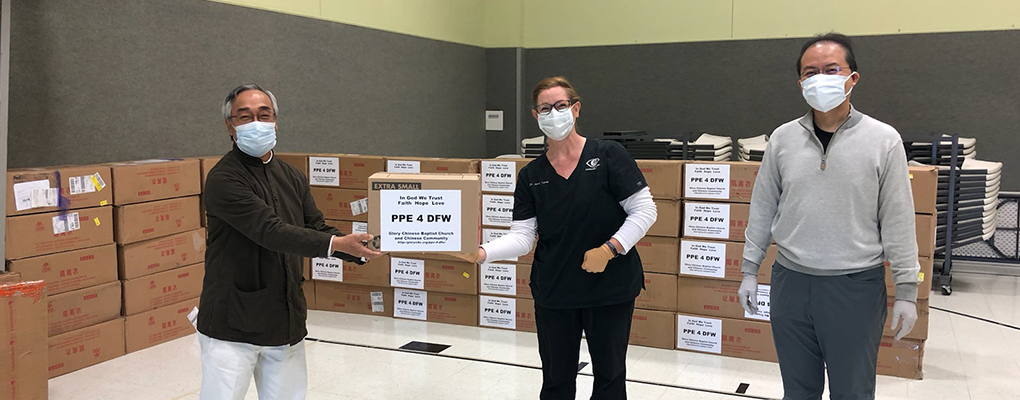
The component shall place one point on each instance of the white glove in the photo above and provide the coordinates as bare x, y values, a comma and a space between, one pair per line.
748, 294
905, 311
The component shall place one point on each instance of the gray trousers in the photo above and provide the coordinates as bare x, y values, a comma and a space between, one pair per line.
832, 322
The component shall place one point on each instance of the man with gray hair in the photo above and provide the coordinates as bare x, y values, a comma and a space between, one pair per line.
262, 220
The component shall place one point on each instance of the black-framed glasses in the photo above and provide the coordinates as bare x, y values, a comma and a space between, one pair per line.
546, 108
245, 117
831, 69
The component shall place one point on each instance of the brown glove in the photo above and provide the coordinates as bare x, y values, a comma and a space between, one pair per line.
595, 259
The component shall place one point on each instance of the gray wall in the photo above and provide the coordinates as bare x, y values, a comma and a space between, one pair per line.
966, 83
501, 94
110, 80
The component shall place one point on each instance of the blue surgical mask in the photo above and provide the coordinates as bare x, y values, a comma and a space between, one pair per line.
256, 138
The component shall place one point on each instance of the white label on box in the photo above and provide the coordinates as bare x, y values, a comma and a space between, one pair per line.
707, 220
499, 176
45, 197
377, 302
764, 304
359, 207
703, 259
66, 223
407, 273
359, 227
489, 235
403, 167
324, 171
75, 185
499, 279
497, 312
707, 181
699, 334
411, 304
420, 220
497, 210
328, 269
23, 193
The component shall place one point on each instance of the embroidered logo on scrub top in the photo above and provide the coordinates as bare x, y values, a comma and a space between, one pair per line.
593, 164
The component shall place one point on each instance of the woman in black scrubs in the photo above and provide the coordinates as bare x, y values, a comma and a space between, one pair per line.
588, 203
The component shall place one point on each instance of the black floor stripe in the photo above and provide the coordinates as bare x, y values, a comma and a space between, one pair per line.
581, 366
976, 317
742, 388
509, 364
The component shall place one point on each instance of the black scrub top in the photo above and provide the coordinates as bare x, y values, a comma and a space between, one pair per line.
575, 215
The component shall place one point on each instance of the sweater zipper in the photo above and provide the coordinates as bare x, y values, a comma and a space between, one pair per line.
825, 149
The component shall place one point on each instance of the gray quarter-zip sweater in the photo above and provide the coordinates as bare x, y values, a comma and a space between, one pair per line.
836, 211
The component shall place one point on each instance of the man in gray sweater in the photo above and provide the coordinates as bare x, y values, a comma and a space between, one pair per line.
834, 193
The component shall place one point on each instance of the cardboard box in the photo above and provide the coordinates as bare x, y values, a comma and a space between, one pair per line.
355, 299
343, 170
71, 270
308, 288
429, 165
297, 160
83, 307
143, 221
925, 225
499, 175
712, 297
720, 181
653, 329
924, 183
336, 203
925, 278
659, 254
151, 180
451, 276
426, 213
207, 164
719, 221
902, 358
375, 272
451, 308
667, 224
920, 331
49, 233
23, 334
503, 279
158, 326
74, 185
660, 293
663, 178
714, 259
161, 254
725, 336
165, 288
85, 347
490, 234
526, 315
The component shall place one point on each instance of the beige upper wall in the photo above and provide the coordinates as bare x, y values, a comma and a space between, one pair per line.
568, 23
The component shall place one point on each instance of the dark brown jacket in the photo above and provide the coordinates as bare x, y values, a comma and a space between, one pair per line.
262, 220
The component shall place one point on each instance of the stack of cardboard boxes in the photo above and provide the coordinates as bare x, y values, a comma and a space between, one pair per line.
505, 301
60, 230
654, 320
437, 285
717, 198
23, 344
160, 246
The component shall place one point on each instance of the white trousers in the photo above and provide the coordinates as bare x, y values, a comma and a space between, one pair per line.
280, 372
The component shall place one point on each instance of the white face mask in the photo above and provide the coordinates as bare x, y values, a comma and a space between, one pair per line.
825, 92
256, 138
557, 124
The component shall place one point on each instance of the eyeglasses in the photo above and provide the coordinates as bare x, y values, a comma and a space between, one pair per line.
245, 117
546, 108
831, 69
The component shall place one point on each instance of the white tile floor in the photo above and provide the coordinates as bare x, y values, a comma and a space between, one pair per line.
964, 359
